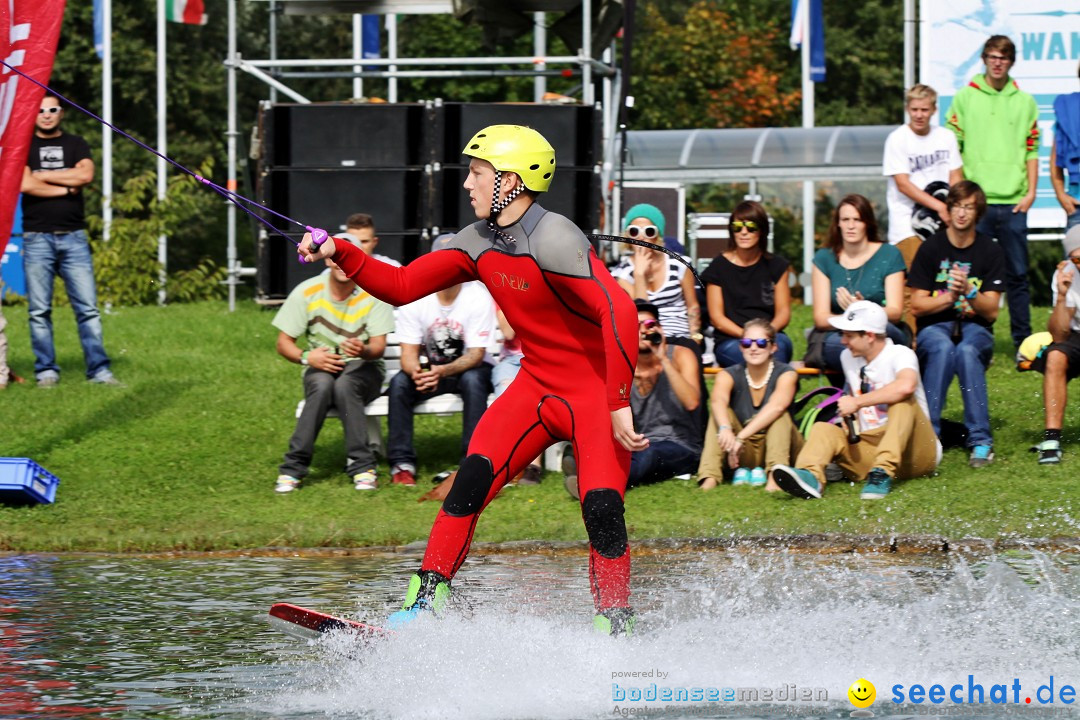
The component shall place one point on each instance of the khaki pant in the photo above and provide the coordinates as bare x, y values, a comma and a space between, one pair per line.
908, 247
4, 374
905, 447
779, 443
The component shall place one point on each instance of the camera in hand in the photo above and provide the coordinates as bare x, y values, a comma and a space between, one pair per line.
654, 338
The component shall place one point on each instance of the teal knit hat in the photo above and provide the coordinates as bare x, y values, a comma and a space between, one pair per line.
647, 211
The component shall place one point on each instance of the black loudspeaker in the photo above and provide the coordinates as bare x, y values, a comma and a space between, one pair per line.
324, 198
346, 136
279, 271
573, 193
573, 130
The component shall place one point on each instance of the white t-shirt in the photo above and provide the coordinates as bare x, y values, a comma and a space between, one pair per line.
879, 373
1072, 300
924, 159
445, 331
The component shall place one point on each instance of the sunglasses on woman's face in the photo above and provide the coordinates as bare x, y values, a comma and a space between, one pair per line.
749, 342
648, 324
636, 231
749, 225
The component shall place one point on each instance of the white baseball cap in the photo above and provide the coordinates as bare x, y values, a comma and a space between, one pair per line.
862, 316
348, 237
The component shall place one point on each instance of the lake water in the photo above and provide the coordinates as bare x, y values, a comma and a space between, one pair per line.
131, 638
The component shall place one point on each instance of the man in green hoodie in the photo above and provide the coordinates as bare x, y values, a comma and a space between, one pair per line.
997, 128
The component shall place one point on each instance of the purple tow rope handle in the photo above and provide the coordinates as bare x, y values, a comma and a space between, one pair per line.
318, 237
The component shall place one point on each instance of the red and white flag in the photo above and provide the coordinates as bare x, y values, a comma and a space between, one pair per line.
29, 30
185, 11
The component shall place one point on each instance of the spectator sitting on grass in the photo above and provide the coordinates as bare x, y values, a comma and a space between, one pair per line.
755, 431
1060, 362
345, 331
886, 395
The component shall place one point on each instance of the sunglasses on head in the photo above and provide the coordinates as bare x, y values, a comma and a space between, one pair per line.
51, 110
1074, 260
749, 342
748, 224
635, 231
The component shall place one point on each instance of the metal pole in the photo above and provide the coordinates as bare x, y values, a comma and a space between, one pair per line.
808, 122
391, 54
540, 50
586, 51
233, 264
358, 53
909, 45
273, 44
106, 112
162, 147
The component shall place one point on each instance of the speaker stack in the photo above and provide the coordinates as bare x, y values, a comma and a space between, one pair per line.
402, 165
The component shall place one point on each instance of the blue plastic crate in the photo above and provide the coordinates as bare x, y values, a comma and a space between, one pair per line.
23, 481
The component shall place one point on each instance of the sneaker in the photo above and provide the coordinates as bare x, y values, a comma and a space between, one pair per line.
615, 621
741, 477
106, 379
286, 484
569, 468
981, 455
1049, 452
758, 477
48, 382
366, 480
530, 476
878, 484
833, 473
428, 592
797, 481
404, 477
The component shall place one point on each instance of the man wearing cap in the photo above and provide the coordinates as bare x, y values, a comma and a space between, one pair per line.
345, 333
885, 397
1060, 362
578, 334
956, 281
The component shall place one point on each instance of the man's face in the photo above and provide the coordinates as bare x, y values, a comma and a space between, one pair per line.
366, 237
963, 215
337, 273
997, 65
48, 119
857, 342
921, 110
480, 183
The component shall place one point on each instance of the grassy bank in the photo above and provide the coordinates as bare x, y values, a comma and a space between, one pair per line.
185, 455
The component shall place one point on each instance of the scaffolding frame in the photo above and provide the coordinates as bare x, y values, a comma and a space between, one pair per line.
539, 67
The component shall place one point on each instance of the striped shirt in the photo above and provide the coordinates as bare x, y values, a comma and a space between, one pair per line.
669, 299
312, 312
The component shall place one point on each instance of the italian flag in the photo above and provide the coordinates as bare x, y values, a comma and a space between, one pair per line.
185, 11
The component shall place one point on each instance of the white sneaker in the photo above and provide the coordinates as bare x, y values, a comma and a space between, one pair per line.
366, 480
286, 484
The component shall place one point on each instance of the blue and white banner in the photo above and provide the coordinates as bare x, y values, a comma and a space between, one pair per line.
1047, 38
369, 34
817, 34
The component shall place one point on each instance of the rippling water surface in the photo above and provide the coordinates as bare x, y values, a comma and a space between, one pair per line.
130, 638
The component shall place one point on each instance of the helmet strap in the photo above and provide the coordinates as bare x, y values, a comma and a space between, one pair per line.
497, 206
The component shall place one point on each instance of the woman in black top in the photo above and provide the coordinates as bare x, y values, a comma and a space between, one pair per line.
745, 282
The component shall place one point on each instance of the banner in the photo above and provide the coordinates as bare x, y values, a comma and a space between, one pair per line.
817, 34
29, 30
1047, 38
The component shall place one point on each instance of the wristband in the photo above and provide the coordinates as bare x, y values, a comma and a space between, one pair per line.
974, 291
723, 427
303, 357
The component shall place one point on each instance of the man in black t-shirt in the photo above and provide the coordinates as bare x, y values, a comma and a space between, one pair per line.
54, 242
956, 282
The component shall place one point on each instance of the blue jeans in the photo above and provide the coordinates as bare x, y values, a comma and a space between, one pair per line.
1010, 230
728, 351
68, 254
967, 360
834, 345
661, 461
473, 385
1071, 220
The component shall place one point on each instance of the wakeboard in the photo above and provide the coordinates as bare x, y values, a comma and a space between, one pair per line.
311, 624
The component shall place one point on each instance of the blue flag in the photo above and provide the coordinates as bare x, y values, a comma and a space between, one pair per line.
99, 23
369, 33
817, 35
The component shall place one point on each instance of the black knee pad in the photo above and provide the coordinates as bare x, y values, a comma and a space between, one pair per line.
602, 510
471, 486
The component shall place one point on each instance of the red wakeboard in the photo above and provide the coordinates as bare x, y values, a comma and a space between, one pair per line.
312, 624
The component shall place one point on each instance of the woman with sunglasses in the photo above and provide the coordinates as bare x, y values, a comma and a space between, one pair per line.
745, 282
856, 265
661, 280
751, 429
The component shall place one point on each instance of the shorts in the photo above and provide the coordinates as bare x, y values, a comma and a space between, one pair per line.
1071, 348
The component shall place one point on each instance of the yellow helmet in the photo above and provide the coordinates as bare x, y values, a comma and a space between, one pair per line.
517, 149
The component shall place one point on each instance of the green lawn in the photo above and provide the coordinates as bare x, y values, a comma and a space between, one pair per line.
184, 458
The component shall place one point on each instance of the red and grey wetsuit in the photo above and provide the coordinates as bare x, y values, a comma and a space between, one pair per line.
578, 332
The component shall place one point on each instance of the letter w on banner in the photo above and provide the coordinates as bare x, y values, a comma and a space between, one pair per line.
29, 30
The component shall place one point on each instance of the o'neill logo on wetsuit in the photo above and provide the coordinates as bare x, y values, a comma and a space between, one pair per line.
500, 279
